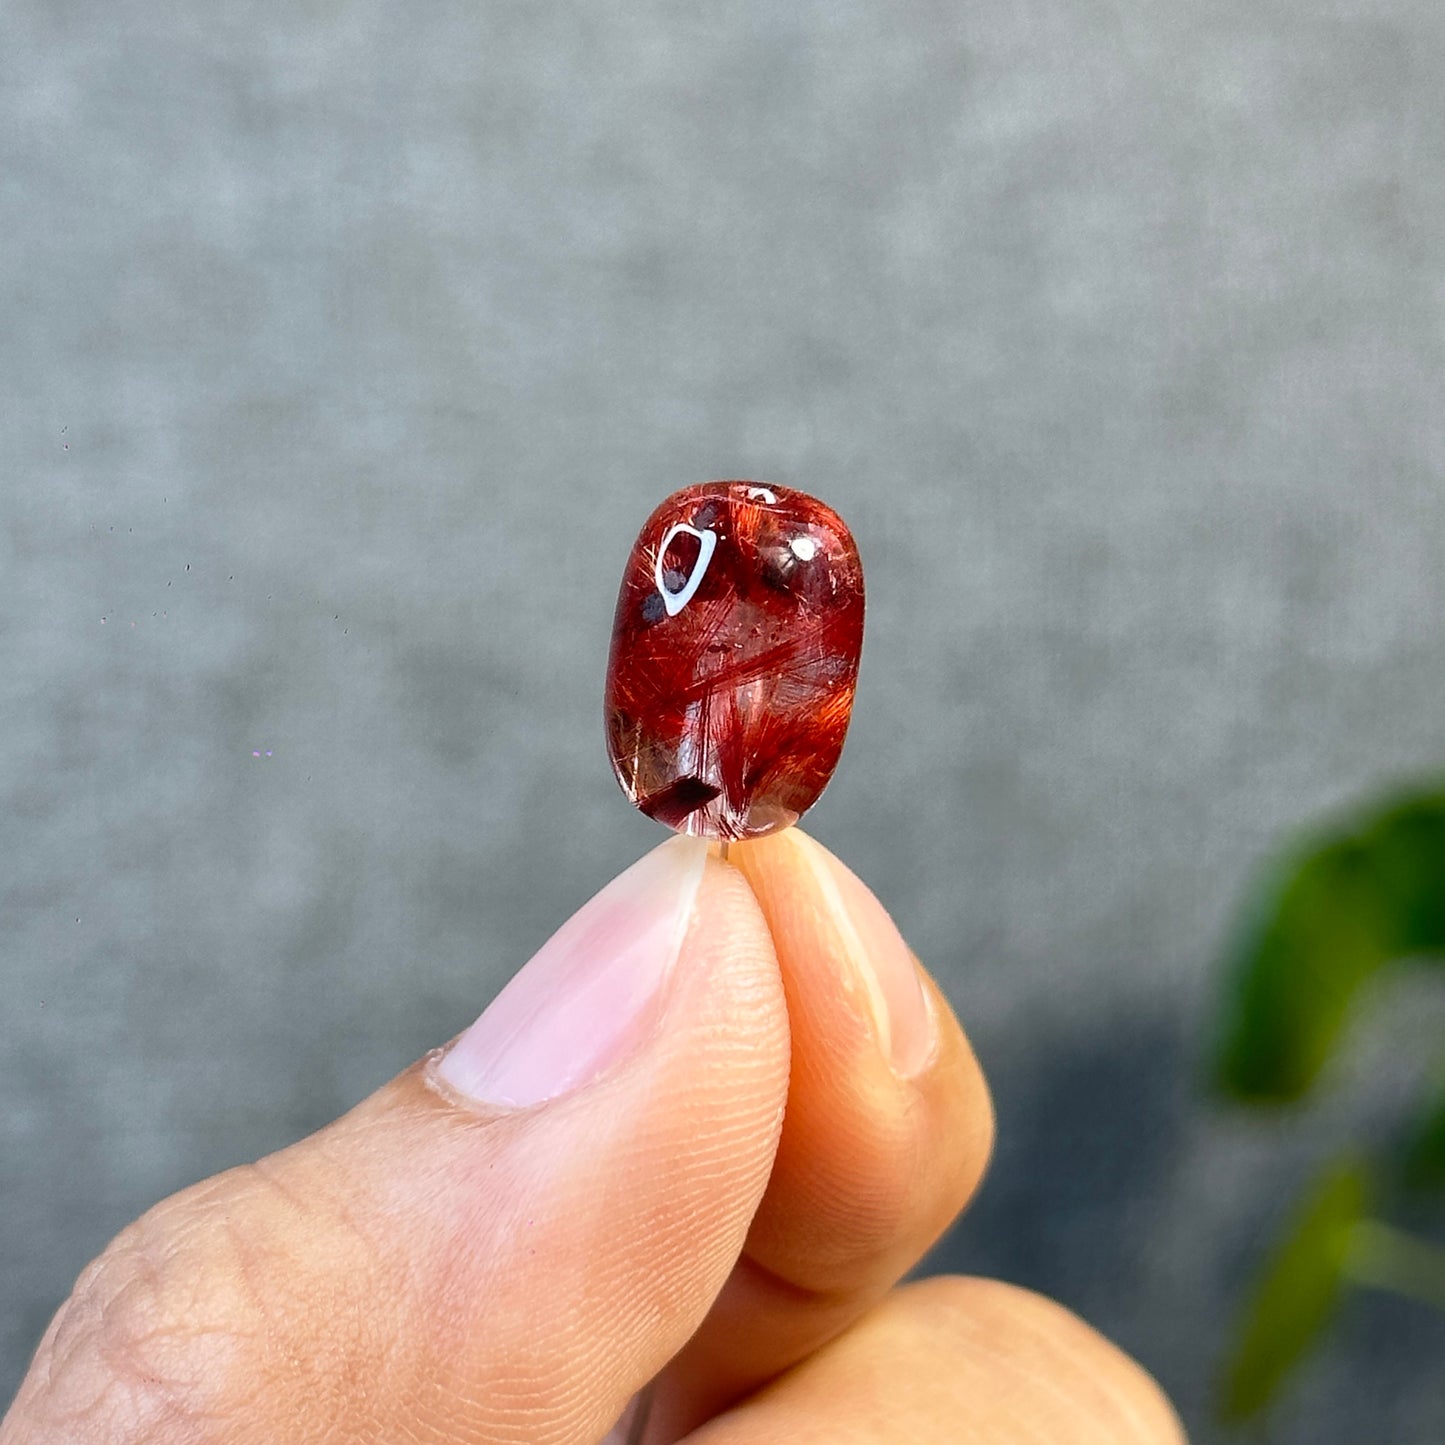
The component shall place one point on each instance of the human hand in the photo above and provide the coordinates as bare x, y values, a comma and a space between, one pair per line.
599, 1184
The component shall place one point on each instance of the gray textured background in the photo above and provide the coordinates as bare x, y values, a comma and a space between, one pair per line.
343, 348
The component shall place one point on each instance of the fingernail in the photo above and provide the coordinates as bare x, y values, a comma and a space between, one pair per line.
881, 961
590, 995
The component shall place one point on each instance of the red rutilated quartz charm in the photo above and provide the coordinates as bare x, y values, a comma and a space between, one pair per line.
734, 657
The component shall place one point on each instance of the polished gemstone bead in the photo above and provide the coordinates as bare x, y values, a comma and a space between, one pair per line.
734, 656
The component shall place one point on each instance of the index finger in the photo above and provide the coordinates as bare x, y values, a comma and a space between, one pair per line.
887, 1133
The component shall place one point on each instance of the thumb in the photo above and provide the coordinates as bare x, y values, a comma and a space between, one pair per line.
502, 1244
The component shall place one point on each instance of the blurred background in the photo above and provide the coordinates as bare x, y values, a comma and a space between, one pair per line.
345, 347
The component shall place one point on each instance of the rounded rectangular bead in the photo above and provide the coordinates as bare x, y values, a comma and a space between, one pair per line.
734, 657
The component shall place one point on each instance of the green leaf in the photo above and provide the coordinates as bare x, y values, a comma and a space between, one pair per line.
1425, 1153
1406, 847
1322, 922
1304, 950
1405, 1264
1297, 1292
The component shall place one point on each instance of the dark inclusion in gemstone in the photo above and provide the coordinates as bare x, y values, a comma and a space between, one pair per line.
734, 658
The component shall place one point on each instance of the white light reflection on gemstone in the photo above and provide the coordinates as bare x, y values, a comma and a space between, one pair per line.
707, 545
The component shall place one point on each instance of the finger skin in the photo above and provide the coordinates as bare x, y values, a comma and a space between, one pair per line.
871, 1167
427, 1270
954, 1361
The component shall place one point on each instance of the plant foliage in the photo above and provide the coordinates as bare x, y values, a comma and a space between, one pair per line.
1339, 910
1298, 1290
1350, 903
